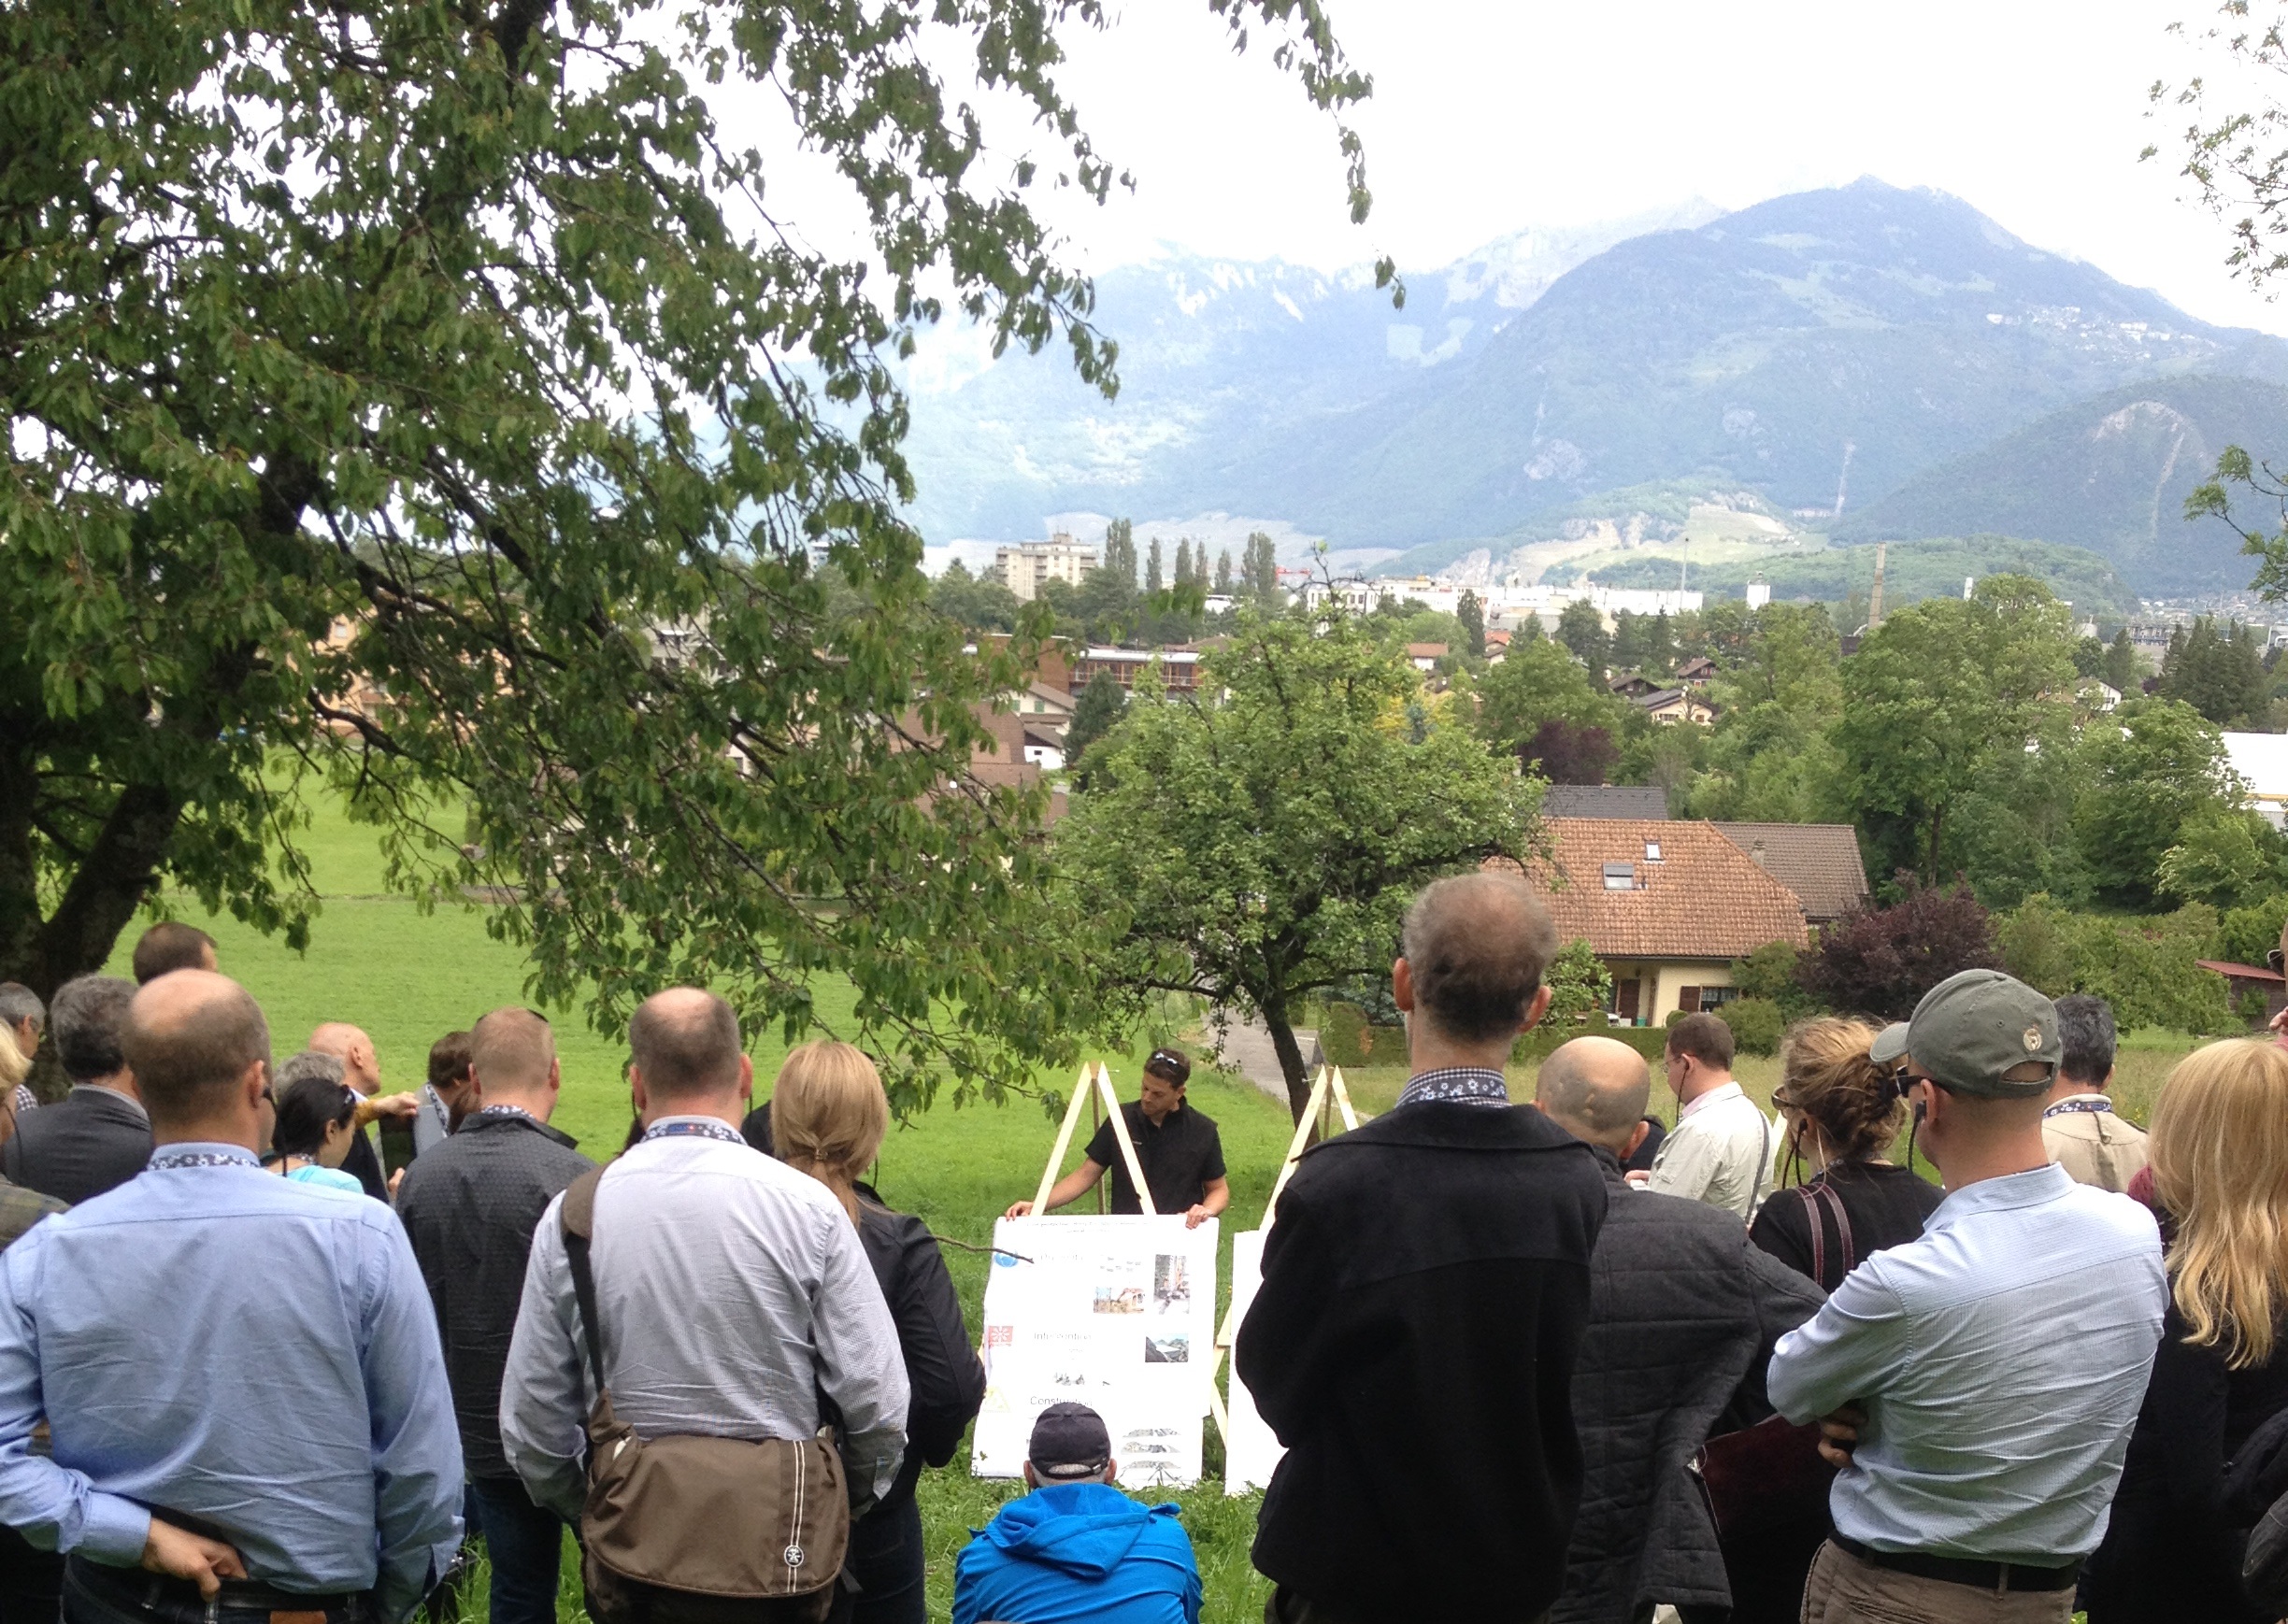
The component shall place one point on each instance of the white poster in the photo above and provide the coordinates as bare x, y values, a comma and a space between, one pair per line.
1114, 1312
1250, 1449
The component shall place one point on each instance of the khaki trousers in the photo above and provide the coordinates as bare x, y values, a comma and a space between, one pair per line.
1842, 1589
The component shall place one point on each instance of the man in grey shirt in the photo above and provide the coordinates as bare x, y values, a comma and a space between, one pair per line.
734, 1289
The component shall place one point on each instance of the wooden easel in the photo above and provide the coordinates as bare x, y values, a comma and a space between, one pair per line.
1327, 1096
1095, 1081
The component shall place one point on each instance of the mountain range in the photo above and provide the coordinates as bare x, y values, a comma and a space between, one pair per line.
1867, 362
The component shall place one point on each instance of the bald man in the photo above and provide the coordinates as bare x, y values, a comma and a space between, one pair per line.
732, 1291
254, 1355
362, 1071
1684, 1311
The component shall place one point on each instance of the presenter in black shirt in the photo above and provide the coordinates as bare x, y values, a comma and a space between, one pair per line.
1177, 1147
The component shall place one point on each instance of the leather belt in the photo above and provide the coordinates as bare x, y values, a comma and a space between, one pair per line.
1973, 1571
134, 1588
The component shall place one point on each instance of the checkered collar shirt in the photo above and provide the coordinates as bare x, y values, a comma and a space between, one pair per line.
1457, 1084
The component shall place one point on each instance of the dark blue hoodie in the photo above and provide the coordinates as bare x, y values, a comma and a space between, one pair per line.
1078, 1551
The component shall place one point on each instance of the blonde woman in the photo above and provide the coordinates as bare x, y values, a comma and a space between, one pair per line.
2218, 1148
15, 1066
826, 1117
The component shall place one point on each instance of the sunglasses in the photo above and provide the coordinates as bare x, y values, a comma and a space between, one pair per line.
2274, 961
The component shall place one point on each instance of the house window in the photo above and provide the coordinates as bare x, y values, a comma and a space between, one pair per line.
1620, 877
1717, 997
1652, 851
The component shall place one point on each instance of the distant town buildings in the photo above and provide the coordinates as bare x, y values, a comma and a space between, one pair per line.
1178, 667
1359, 595
1024, 567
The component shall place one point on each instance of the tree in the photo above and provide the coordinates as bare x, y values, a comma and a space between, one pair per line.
1471, 611
1539, 683
1183, 561
1223, 573
1581, 629
2089, 657
979, 602
2120, 670
1769, 755
1102, 703
1660, 647
1933, 692
1880, 961
414, 395
1260, 569
1567, 752
1155, 584
2219, 674
2157, 764
2224, 856
1260, 843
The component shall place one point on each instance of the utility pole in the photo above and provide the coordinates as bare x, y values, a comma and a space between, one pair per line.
1875, 597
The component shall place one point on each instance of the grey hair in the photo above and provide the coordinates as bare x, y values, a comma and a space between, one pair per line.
18, 1003
311, 1063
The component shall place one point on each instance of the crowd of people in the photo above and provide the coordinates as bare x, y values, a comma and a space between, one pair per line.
1542, 1363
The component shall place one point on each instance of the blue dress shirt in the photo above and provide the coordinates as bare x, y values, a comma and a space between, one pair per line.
253, 1352
2001, 1358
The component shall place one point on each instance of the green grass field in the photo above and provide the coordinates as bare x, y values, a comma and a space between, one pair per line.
407, 977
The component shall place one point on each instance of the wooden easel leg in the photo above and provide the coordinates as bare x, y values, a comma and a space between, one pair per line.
1063, 1140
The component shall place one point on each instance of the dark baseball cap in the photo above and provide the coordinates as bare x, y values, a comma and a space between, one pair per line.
1978, 1024
1069, 1441
1889, 1045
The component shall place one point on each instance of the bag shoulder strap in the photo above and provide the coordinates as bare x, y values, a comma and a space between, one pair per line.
578, 1221
1832, 1199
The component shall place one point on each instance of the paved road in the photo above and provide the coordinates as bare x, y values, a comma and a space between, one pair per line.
1247, 1049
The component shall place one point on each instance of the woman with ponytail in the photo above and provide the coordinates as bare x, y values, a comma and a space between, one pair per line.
2219, 1149
828, 1115
1841, 1112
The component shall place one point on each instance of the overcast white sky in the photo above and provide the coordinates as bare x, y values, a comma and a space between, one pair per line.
1493, 115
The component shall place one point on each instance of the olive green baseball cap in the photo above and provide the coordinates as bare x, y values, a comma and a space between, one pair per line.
1889, 1045
1978, 1024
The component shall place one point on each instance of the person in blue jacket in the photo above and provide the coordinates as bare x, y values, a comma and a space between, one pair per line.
1077, 1547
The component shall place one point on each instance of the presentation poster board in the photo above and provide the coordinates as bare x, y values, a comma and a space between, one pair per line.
1114, 1312
1250, 1449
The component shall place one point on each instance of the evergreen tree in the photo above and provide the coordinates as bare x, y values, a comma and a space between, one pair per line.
1155, 584
1102, 703
1471, 613
1183, 561
2219, 673
1260, 569
2089, 657
1628, 650
1660, 645
1120, 554
1581, 629
1223, 573
2121, 668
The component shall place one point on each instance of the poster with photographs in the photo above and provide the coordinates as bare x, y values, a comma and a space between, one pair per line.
1114, 1312
1251, 1450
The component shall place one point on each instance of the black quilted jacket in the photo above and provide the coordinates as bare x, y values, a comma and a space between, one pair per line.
1682, 1310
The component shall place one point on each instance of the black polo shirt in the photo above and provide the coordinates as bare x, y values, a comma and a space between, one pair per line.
1179, 1158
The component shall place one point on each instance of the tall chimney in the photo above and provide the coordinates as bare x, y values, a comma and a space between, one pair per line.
1875, 597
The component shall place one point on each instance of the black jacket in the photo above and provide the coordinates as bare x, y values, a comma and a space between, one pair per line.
942, 1368
90, 1141
2173, 1547
1425, 1289
470, 1206
1683, 1308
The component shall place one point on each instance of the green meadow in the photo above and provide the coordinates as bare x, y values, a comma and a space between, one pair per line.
407, 976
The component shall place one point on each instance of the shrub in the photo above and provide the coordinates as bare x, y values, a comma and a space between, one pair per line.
2145, 968
2245, 935
1579, 985
1879, 962
1756, 1024
1769, 973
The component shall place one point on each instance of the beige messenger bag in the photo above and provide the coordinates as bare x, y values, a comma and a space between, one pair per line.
731, 1518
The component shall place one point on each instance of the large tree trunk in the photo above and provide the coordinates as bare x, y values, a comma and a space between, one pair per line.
1289, 1058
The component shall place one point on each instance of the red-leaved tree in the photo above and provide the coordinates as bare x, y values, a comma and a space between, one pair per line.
1572, 754
1880, 961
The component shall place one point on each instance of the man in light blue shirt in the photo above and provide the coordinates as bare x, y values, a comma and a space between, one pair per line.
1992, 1368
241, 1373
